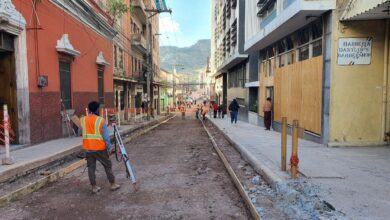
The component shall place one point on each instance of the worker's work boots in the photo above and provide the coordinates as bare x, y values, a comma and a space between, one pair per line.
95, 189
114, 187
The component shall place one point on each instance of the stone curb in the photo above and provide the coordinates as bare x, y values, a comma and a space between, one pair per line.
270, 176
236, 181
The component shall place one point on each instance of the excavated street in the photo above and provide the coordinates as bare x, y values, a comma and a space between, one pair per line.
180, 176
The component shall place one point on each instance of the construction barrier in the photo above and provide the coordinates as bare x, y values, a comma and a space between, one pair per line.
7, 135
5, 126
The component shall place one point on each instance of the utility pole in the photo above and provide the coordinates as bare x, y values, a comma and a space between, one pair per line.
174, 82
149, 64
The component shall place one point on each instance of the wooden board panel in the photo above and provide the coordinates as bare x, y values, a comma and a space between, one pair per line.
298, 93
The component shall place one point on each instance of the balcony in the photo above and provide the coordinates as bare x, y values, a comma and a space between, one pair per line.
139, 42
275, 25
139, 10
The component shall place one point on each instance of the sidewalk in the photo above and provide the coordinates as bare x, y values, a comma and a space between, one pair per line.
32, 157
354, 180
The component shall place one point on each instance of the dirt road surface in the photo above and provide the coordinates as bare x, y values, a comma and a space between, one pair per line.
180, 176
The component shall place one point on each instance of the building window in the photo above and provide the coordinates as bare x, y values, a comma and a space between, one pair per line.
101, 85
120, 58
115, 57
65, 83
303, 53
317, 48
237, 76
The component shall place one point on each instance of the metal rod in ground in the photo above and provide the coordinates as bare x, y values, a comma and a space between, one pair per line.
241, 190
283, 144
294, 152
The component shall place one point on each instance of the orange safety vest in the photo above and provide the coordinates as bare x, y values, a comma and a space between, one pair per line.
92, 126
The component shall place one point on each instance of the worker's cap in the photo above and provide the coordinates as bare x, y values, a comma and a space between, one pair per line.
93, 106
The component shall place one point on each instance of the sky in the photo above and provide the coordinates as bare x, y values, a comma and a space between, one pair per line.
190, 21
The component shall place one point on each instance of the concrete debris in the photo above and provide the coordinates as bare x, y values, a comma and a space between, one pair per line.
255, 180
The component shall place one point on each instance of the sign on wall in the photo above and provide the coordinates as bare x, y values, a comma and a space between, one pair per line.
354, 51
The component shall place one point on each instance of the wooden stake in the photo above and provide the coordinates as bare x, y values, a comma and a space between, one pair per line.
284, 144
294, 153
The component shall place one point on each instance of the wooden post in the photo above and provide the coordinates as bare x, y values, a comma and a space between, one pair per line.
294, 153
284, 144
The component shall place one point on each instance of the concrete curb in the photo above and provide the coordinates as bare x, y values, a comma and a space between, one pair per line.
270, 176
241, 190
40, 183
27, 168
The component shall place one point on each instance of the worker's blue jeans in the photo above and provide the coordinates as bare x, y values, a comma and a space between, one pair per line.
233, 117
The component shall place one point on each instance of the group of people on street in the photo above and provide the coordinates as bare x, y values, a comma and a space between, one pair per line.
218, 110
97, 145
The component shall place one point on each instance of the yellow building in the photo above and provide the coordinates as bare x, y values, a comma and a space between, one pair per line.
359, 101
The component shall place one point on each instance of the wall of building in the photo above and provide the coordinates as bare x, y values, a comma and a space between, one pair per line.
44, 59
357, 90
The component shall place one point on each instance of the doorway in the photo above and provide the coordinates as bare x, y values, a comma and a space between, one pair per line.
8, 89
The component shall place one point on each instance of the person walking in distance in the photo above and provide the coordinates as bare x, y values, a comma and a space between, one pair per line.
233, 108
183, 111
215, 108
204, 110
96, 143
267, 109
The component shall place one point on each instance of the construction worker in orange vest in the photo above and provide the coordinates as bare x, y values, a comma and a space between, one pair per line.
183, 111
96, 143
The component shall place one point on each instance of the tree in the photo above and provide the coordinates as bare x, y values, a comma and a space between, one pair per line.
116, 8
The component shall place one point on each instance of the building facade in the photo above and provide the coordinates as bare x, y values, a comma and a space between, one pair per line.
59, 51
131, 48
235, 71
324, 63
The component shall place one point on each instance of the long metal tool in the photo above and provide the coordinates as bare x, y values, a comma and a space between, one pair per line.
129, 169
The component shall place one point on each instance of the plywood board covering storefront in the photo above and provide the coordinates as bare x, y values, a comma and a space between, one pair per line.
298, 93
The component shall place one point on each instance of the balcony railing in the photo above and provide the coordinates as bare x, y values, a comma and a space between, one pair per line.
139, 40
139, 9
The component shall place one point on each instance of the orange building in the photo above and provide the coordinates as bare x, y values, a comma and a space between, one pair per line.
53, 50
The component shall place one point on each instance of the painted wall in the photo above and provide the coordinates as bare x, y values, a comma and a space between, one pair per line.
44, 59
356, 91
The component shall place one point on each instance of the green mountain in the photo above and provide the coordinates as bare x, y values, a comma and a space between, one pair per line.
192, 58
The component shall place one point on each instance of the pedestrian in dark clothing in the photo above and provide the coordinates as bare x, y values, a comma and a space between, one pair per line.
223, 110
233, 108
215, 109
219, 111
267, 109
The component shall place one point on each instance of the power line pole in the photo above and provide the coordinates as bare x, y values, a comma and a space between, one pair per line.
149, 73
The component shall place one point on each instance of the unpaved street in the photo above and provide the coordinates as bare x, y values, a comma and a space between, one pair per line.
180, 175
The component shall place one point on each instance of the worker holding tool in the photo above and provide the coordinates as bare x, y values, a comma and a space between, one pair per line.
96, 143
183, 111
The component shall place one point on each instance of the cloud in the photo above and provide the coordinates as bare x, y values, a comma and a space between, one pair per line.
167, 25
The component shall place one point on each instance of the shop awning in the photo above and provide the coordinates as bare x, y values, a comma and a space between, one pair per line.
366, 10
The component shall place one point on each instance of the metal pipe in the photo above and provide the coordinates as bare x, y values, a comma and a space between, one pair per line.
283, 144
385, 79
